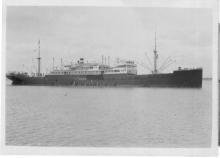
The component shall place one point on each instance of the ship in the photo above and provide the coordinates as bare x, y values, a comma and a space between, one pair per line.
125, 73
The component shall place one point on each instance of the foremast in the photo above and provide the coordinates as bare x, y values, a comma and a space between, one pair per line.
39, 60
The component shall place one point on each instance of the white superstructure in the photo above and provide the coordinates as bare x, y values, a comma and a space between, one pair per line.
81, 68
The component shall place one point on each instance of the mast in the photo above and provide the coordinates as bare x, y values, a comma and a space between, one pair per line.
61, 64
108, 60
39, 58
53, 63
102, 59
155, 56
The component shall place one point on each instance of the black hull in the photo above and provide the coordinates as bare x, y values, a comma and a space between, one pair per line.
180, 78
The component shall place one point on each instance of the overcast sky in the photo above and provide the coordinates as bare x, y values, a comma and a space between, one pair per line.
127, 33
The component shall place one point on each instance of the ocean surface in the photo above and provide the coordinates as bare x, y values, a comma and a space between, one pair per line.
108, 117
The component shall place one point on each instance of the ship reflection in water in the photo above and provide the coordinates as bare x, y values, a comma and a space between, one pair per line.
108, 117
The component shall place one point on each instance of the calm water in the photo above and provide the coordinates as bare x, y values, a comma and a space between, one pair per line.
144, 117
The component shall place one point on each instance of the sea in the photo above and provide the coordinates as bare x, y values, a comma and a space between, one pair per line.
108, 116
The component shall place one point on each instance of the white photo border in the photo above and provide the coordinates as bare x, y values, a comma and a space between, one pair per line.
212, 151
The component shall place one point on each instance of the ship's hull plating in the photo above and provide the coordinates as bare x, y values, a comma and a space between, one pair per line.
181, 78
